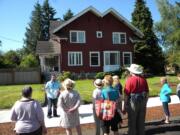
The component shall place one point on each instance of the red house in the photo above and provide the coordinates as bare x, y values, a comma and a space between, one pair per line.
89, 42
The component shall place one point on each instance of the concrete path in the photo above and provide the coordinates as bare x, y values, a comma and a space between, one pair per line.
85, 112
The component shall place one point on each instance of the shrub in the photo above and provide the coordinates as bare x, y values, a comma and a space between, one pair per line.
64, 75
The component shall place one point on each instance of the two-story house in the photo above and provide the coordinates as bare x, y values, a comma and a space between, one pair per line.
90, 41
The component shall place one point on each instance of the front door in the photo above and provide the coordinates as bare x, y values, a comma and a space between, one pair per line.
111, 61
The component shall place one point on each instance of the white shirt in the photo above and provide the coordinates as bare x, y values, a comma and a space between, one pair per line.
97, 94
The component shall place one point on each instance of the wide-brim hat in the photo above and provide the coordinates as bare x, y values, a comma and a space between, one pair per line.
98, 83
135, 69
68, 83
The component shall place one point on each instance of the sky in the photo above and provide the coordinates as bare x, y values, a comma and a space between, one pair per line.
15, 15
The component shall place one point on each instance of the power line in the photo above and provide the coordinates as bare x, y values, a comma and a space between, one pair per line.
10, 39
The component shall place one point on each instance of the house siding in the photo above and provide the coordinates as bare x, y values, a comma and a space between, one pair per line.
90, 23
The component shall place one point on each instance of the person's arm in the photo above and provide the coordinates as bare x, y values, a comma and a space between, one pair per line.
40, 115
76, 106
13, 115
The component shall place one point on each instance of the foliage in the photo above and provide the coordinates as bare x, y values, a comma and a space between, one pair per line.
38, 28
11, 59
34, 30
68, 15
64, 75
47, 15
101, 75
168, 30
29, 61
147, 52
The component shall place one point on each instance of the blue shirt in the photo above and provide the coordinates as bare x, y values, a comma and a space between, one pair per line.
165, 93
52, 89
110, 93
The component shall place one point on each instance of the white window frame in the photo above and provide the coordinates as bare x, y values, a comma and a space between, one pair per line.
77, 40
118, 52
124, 57
97, 34
75, 64
94, 52
119, 34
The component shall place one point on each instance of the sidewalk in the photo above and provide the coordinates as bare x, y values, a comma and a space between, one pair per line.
86, 115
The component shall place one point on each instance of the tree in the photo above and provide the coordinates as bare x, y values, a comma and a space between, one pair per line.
11, 59
168, 31
147, 52
34, 30
68, 15
29, 61
48, 15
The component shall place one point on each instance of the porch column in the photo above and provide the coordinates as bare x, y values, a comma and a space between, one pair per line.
42, 63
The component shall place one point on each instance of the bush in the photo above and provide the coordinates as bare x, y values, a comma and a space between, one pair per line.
64, 75
29, 61
101, 75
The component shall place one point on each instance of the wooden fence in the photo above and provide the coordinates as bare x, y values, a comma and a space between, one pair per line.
20, 76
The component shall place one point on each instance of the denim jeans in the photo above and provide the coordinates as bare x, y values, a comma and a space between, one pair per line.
52, 103
37, 132
97, 122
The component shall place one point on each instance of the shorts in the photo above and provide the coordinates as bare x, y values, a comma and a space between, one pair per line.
105, 125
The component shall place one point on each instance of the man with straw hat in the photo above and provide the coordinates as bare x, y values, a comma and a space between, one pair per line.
136, 94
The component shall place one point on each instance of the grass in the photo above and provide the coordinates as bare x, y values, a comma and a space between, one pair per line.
11, 93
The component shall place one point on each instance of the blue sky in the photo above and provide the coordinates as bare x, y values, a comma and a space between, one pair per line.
15, 15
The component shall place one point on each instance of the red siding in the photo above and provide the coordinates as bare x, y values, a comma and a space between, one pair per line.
90, 23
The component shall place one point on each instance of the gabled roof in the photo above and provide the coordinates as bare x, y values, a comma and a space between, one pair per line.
48, 47
99, 14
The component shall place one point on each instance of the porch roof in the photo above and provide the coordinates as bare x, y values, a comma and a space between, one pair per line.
48, 47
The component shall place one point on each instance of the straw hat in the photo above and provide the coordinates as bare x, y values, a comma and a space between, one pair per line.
135, 69
68, 84
98, 83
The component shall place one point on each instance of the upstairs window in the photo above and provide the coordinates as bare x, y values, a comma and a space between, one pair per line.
99, 34
119, 38
77, 37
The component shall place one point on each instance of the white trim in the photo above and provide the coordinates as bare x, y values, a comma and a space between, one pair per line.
75, 52
77, 36
98, 58
97, 34
99, 14
119, 33
130, 57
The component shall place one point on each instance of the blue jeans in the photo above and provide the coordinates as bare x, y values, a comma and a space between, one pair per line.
178, 94
52, 103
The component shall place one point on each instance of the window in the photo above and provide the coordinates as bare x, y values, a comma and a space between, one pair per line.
77, 37
127, 58
119, 38
99, 34
94, 59
112, 58
74, 58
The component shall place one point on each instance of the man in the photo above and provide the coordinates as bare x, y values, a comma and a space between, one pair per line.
52, 90
136, 94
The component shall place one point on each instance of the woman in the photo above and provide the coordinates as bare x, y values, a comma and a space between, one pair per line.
165, 98
109, 93
135, 99
97, 96
69, 102
28, 115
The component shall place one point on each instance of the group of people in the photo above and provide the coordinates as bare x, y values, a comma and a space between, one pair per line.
29, 116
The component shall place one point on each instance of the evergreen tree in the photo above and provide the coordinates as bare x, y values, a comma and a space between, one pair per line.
34, 30
147, 52
68, 15
48, 14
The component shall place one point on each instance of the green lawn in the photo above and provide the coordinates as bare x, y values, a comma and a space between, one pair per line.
11, 93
